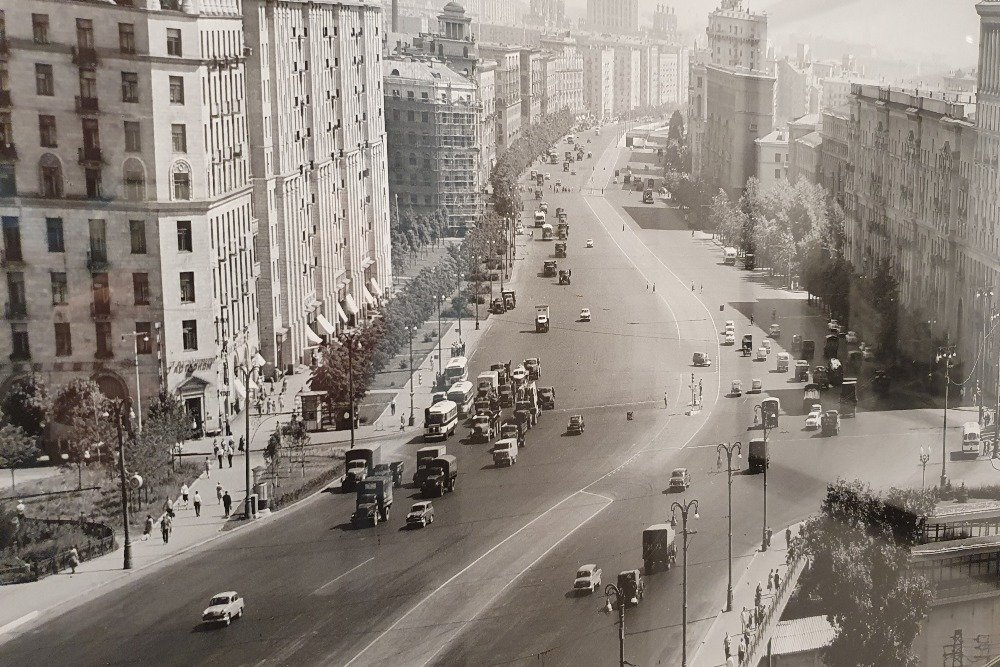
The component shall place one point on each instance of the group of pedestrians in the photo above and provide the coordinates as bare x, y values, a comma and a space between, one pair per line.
227, 448
273, 400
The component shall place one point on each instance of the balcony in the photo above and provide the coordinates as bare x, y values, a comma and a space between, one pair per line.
10, 258
97, 262
100, 311
8, 152
90, 156
5, 101
85, 56
104, 353
16, 310
86, 105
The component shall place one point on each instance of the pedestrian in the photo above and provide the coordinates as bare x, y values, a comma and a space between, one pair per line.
243, 444
184, 494
701, 288
147, 529
420, 378
742, 650
166, 525
692, 285
168, 507
208, 468
284, 385
197, 504
666, 402
219, 451
654, 287
218, 492
757, 595
726, 647
227, 503
74, 559
281, 403
229, 453
392, 406
751, 319
770, 579
402, 422
788, 537
777, 580
774, 314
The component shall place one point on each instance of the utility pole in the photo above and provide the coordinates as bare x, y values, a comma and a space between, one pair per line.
121, 411
135, 336
250, 365
987, 297
764, 541
729, 450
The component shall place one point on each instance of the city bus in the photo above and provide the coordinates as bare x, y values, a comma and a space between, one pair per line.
440, 420
463, 394
971, 440
457, 370
730, 256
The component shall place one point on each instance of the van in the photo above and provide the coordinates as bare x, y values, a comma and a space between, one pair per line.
729, 255
505, 452
971, 436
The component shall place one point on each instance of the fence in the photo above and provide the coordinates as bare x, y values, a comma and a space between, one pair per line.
100, 539
762, 633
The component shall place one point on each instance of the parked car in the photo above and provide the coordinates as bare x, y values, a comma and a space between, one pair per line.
420, 514
588, 578
223, 608
730, 326
851, 338
766, 344
575, 425
680, 479
585, 314
813, 419
590, 243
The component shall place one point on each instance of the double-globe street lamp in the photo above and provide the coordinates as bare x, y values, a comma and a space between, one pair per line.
122, 410
986, 295
730, 449
251, 364
761, 419
353, 344
684, 509
946, 353
475, 258
621, 599
411, 330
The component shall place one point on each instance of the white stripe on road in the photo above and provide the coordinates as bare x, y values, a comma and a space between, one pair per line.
338, 578
13, 625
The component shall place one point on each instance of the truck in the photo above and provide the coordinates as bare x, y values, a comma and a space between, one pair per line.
393, 470
849, 397
831, 346
506, 396
503, 372
539, 217
564, 277
810, 396
659, 548
560, 250
758, 458
540, 177
374, 501
358, 463
441, 477
527, 399
547, 398
562, 230
808, 350
486, 425
549, 268
509, 299
835, 373
831, 422
631, 585
647, 196
487, 381
541, 318
424, 456
821, 377
534, 367
504, 452
517, 431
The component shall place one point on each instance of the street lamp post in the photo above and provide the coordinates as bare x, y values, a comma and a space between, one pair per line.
947, 353
121, 409
135, 336
475, 258
729, 450
412, 330
440, 300
925, 456
987, 297
352, 343
459, 310
764, 542
610, 591
250, 365
684, 510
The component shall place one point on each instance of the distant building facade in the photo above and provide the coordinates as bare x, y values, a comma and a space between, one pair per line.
599, 80
772, 159
613, 16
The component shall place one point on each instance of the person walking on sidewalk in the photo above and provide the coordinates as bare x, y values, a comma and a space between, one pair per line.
742, 650
402, 423
777, 580
218, 454
230, 452
243, 444
208, 469
74, 559
168, 507
757, 595
227, 503
218, 492
392, 406
166, 525
147, 529
197, 504
184, 494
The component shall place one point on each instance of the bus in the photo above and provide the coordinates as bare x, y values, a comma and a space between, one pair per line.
730, 256
463, 394
440, 420
546, 232
457, 370
971, 440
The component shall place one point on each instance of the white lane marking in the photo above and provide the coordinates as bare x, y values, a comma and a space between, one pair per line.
517, 576
338, 578
16, 623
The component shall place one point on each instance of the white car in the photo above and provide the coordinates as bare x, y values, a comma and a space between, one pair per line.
519, 229
761, 354
851, 337
588, 578
813, 419
585, 314
730, 338
519, 374
766, 344
223, 608
730, 326
590, 243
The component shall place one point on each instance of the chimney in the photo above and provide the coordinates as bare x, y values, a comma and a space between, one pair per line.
395, 15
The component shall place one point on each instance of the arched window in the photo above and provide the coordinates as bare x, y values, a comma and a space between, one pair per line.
180, 180
134, 178
50, 176
395, 72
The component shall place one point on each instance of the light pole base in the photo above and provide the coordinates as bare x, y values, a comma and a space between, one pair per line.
128, 555
944, 481
729, 598
410, 420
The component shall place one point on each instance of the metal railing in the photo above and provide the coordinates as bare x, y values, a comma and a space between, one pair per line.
761, 635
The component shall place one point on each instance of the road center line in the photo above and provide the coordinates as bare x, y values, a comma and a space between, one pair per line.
338, 578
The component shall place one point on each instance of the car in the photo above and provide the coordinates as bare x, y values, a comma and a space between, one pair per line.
774, 331
730, 326
588, 579
761, 354
736, 388
590, 243
766, 344
701, 359
680, 479
730, 338
851, 337
585, 314
519, 229
813, 419
833, 326
575, 425
421, 514
223, 608
519, 374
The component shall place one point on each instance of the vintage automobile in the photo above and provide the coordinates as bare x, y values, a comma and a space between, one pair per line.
680, 479
585, 314
701, 359
588, 579
575, 425
420, 514
814, 418
729, 338
590, 243
223, 608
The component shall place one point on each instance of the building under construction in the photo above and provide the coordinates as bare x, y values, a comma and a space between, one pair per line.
432, 117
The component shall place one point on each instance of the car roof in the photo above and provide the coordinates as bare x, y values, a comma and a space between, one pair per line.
225, 593
677, 471
588, 566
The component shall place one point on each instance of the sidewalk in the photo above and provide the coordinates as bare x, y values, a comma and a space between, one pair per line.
711, 651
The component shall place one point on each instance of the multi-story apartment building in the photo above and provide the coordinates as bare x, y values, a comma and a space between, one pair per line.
549, 13
432, 124
613, 16
532, 67
772, 159
803, 156
498, 12
550, 83
125, 197
833, 164
627, 81
665, 23
508, 91
599, 80
796, 94
664, 74
737, 37
568, 91
319, 158
697, 108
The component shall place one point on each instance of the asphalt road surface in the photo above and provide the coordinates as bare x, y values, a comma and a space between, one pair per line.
488, 582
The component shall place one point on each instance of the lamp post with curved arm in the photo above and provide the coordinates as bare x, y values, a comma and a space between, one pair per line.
411, 330
684, 510
251, 364
610, 591
759, 417
729, 450
947, 353
475, 258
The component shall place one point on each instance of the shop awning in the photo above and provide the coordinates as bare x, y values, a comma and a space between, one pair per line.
241, 390
252, 385
312, 337
324, 324
376, 290
341, 315
369, 299
350, 306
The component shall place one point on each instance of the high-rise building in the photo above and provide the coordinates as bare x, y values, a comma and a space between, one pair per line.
665, 23
532, 66
317, 127
508, 91
613, 16
498, 12
548, 13
599, 80
432, 124
125, 198
737, 37
627, 81
568, 93
833, 163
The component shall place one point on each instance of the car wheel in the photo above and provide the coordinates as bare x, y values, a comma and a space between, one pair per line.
423, 523
239, 614
431, 520
227, 620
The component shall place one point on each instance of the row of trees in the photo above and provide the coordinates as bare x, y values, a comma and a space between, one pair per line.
410, 231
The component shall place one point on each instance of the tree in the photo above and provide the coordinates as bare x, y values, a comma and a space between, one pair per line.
28, 404
17, 448
165, 425
80, 408
859, 547
675, 129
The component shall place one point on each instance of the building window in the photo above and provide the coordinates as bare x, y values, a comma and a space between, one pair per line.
54, 234
85, 33
47, 131
43, 80
50, 173
395, 114
103, 331
130, 87
60, 288
410, 116
187, 286
64, 341
182, 185
184, 242
40, 28
177, 90
88, 84
777, 173
133, 138
134, 179
92, 179
424, 117
174, 42
144, 341
777, 158
126, 37
189, 332
8, 180
12, 238
20, 349
178, 136
137, 236
6, 130
140, 288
